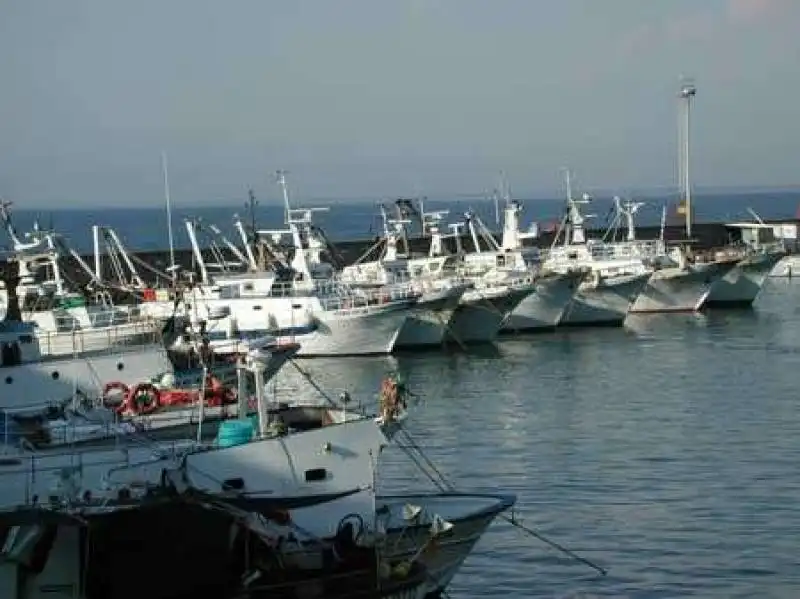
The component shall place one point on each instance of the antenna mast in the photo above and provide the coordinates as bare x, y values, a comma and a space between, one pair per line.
251, 205
281, 176
687, 93
169, 215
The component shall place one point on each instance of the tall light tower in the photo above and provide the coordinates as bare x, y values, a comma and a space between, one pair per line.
687, 93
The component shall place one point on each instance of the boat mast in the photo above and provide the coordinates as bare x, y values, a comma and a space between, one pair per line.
687, 93
164, 168
281, 176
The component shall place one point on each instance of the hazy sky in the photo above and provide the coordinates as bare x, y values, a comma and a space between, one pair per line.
377, 98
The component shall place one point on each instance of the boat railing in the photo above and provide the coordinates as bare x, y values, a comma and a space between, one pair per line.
55, 426
137, 331
335, 295
507, 280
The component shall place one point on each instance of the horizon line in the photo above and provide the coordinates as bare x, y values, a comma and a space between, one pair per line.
707, 191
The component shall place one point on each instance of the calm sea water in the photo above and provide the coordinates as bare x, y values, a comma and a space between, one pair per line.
666, 451
146, 228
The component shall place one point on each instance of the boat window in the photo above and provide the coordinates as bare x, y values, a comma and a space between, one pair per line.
572, 255
229, 291
247, 287
257, 307
10, 354
316, 474
26, 338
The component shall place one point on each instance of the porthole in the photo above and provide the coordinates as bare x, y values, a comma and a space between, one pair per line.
9, 380
55, 375
120, 366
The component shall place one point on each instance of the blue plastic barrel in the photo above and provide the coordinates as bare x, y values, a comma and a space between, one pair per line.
234, 432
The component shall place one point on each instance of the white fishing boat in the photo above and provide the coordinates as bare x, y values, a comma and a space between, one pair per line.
680, 288
298, 302
680, 282
325, 318
28, 376
545, 308
759, 254
65, 322
613, 282
787, 267
439, 291
601, 301
485, 309
497, 287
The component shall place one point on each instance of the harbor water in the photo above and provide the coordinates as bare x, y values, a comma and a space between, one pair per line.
666, 451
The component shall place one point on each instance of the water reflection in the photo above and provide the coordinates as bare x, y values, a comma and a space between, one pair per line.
666, 451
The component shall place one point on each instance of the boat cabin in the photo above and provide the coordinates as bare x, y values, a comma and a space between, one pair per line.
756, 235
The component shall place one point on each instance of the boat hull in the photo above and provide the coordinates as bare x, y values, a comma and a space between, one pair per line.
470, 515
604, 304
544, 309
429, 319
207, 552
680, 290
56, 379
788, 267
366, 334
481, 314
742, 284
348, 332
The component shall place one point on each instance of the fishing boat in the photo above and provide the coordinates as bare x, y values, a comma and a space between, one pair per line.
758, 255
335, 447
64, 529
496, 287
554, 291
612, 281
439, 292
67, 322
295, 301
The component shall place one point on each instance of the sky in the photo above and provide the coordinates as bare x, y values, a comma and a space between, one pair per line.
376, 99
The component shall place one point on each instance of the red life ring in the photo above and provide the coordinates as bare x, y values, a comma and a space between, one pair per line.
151, 403
110, 401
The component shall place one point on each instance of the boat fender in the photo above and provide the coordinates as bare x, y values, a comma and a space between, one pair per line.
112, 400
143, 399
